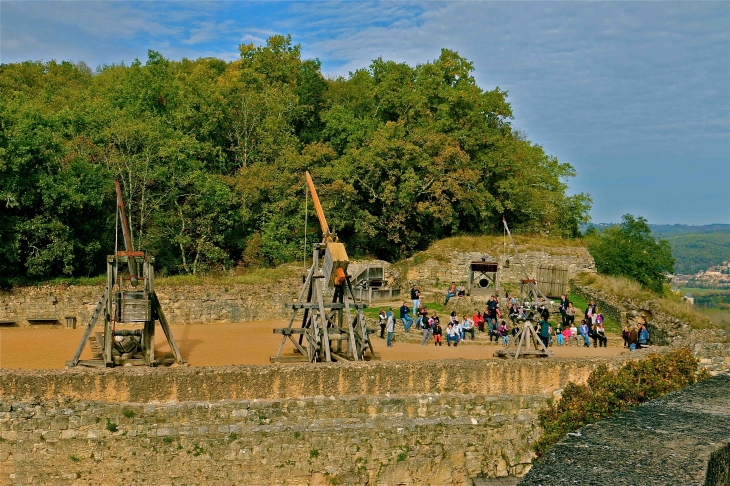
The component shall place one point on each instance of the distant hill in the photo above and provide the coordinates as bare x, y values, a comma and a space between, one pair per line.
667, 230
694, 248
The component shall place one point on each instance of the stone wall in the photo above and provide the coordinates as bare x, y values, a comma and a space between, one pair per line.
681, 438
427, 439
440, 422
489, 377
181, 304
455, 267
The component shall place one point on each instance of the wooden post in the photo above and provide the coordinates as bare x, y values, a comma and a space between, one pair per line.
100, 307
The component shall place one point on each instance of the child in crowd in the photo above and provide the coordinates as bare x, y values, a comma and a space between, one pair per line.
561, 339
566, 335
573, 334
504, 332
437, 334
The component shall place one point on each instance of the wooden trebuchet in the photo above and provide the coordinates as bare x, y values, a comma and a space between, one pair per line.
526, 344
124, 303
330, 331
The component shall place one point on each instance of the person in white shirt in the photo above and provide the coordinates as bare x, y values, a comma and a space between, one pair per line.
467, 325
451, 335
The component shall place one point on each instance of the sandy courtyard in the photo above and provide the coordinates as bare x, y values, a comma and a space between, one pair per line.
222, 344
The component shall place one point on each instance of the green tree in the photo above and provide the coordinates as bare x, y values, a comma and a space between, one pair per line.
629, 250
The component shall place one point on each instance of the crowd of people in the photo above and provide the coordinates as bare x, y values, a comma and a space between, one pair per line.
457, 329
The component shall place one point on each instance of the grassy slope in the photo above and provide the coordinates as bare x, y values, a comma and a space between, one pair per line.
624, 288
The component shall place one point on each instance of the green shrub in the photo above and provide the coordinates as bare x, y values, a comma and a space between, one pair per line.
608, 392
111, 426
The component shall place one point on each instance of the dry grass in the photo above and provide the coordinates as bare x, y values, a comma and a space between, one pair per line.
497, 245
621, 287
625, 288
254, 276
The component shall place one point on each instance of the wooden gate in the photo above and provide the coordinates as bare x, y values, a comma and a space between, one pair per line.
552, 281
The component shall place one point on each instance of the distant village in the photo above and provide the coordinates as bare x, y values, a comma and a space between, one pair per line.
715, 277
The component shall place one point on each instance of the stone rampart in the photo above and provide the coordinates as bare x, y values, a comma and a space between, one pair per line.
681, 438
440, 422
490, 377
426, 439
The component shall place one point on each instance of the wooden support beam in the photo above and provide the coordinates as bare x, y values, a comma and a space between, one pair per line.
90, 326
287, 331
166, 329
288, 359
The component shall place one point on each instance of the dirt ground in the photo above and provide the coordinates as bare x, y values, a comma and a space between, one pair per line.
223, 344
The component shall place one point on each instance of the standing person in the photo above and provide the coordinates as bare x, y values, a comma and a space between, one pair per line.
564, 308
437, 332
426, 327
467, 326
504, 333
590, 311
602, 339
544, 332
407, 320
390, 327
383, 322
490, 315
585, 333
424, 316
416, 298
514, 313
643, 335
550, 331
626, 334
570, 314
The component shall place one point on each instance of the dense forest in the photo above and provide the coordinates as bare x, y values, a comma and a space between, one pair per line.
211, 158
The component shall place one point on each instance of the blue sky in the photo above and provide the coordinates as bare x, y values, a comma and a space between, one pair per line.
635, 95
